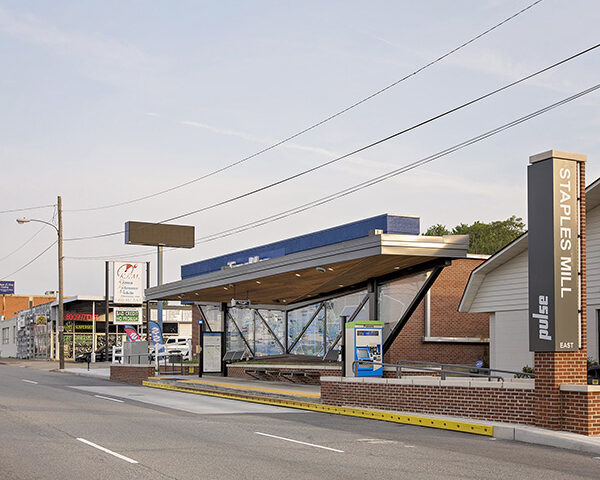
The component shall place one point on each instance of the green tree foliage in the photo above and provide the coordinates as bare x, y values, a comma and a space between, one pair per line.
485, 238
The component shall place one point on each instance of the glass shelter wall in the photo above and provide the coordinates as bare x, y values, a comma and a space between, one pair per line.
394, 298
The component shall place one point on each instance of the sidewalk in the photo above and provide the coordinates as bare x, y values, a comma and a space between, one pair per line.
307, 397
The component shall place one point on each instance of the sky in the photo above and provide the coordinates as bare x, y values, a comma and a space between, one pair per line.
108, 101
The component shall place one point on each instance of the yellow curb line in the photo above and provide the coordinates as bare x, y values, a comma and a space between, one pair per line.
465, 427
258, 389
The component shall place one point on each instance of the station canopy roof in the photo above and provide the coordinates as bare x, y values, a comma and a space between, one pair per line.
313, 265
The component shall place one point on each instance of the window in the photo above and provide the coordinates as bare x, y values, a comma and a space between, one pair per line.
5, 332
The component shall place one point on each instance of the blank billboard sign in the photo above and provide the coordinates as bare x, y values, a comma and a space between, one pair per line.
159, 234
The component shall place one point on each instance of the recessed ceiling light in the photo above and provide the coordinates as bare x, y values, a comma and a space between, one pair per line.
225, 288
340, 285
396, 268
298, 275
330, 269
258, 282
284, 300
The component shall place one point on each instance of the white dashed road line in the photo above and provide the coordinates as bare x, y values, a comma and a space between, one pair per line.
298, 441
118, 455
108, 398
29, 381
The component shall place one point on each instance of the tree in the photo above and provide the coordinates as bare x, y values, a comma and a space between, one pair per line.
485, 238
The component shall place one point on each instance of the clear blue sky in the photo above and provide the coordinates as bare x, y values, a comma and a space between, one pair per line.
104, 101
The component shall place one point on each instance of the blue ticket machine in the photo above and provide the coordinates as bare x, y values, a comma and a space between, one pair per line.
364, 342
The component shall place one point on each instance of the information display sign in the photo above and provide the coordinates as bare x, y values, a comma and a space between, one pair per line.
212, 352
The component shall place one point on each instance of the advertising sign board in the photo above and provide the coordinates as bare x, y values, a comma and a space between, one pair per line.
127, 316
7, 287
159, 234
553, 188
128, 283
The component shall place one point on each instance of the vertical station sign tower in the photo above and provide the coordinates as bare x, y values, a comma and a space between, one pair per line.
557, 285
554, 184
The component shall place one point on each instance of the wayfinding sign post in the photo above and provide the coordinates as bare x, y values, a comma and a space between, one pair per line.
554, 256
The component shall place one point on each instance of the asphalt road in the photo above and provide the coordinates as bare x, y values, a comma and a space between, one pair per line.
57, 426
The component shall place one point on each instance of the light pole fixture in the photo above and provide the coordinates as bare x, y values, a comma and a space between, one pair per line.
61, 328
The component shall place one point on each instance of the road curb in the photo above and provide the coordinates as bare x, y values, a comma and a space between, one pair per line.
431, 422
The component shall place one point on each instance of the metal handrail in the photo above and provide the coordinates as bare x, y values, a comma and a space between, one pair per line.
442, 371
470, 367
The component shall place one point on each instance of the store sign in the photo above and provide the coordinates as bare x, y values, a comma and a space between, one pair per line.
7, 287
80, 317
128, 283
554, 321
127, 316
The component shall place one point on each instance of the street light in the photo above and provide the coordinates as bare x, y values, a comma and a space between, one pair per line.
61, 343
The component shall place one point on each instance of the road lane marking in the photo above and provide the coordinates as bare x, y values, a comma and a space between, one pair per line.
298, 441
375, 441
111, 399
118, 455
29, 381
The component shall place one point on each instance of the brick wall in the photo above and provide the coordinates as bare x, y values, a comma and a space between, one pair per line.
446, 321
514, 405
131, 373
10, 305
580, 412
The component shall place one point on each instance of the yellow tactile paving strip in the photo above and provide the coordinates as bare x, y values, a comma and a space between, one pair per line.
255, 389
443, 424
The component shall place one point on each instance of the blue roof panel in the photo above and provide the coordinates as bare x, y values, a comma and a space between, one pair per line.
395, 224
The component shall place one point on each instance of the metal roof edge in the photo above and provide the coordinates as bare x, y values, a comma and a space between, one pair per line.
449, 246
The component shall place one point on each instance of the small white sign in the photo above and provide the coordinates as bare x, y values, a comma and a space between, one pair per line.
128, 283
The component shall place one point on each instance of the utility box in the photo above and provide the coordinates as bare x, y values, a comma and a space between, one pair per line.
135, 353
364, 342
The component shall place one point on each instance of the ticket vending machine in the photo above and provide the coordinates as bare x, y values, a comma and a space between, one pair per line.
364, 341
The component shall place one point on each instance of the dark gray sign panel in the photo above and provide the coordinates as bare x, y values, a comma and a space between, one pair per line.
159, 234
553, 232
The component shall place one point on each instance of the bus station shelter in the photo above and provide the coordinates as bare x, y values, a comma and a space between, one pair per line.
293, 297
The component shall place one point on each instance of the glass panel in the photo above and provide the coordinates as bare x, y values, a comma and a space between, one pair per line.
264, 342
334, 308
233, 341
244, 318
311, 342
297, 319
213, 317
276, 320
395, 297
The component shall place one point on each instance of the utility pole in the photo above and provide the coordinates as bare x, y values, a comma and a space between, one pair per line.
61, 316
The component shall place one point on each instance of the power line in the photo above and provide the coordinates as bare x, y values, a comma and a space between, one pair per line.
27, 208
354, 152
368, 183
315, 125
31, 261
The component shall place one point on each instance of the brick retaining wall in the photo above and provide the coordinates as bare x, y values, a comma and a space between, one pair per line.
135, 374
496, 401
580, 409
